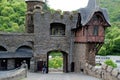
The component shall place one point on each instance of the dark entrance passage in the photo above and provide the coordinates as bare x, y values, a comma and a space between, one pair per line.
39, 65
12, 60
59, 60
19, 61
3, 64
3, 61
23, 53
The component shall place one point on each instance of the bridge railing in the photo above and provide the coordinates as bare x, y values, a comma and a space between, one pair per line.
105, 72
16, 74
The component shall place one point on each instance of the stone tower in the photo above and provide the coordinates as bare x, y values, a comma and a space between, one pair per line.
89, 34
31, 5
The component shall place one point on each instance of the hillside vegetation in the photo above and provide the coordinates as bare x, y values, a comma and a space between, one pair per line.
112, 41
12, 15
12, 19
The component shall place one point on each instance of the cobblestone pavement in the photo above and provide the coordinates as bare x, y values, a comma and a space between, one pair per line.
59, 76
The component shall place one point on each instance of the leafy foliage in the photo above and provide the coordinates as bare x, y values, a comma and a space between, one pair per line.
56, 61
12, 15
112, 40
111, 63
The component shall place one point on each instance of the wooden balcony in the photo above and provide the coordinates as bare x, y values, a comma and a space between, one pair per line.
89, 39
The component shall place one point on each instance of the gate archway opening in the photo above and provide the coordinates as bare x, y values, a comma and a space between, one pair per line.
57, 61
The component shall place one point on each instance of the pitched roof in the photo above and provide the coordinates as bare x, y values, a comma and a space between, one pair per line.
88, 12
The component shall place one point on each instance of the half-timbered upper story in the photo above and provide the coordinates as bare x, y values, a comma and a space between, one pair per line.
92, 22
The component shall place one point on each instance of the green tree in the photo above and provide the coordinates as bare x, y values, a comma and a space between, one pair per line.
7, 11
12, 15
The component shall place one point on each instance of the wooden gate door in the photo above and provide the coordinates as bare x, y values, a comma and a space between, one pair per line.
39, 65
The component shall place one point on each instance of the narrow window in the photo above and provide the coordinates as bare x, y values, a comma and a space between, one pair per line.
95, 31
57, 29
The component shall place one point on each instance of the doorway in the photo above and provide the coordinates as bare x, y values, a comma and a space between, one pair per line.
19, 61
39, 65
3, 64
57, 61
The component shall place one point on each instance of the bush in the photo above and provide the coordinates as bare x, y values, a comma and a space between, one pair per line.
111, 63
56, 62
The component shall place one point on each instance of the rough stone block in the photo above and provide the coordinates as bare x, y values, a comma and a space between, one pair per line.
99, 71
119, 76
109, 68
90, 67
104, 66
86, 64
94, 69
115, 72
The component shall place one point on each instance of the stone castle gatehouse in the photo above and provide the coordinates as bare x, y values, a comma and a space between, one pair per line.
77, 35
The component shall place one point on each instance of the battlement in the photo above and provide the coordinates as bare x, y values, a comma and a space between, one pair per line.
58, 14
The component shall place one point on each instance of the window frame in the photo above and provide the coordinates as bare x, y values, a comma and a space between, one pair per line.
95, 30
57, 29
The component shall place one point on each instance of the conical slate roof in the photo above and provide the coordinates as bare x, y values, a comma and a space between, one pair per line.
88, 12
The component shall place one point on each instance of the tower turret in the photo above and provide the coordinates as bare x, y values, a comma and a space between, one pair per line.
31, 4
89, 33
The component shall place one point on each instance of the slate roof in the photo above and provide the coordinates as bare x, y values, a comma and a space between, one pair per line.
88, 12
15, 54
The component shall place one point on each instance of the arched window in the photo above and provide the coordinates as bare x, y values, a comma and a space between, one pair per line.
57, 29
2, 48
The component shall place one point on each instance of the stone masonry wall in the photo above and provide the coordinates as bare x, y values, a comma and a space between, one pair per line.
105, 73
12, 41
79, 56
44, 42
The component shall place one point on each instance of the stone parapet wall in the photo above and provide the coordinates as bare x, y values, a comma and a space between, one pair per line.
58, 14
105, 73
44, 19
16, 75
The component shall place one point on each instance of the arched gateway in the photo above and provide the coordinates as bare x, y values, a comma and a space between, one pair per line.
65, 59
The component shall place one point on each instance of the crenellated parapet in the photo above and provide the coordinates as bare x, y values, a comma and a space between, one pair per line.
57, 15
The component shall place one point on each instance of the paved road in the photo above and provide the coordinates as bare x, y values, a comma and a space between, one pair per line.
59, 76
